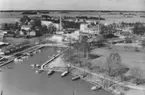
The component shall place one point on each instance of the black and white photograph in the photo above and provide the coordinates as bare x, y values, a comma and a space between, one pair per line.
72, 47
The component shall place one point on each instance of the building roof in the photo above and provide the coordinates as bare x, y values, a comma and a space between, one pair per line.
26, 27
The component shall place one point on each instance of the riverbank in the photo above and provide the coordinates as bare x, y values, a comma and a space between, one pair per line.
22, 80
60, 66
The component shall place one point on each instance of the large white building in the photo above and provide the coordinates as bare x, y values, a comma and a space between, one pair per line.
87, 29
83, 27
47, 23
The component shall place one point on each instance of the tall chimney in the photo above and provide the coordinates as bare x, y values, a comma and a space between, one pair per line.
99, 23
60, 23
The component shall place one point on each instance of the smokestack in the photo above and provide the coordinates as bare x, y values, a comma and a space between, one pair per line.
99, 23
60, 23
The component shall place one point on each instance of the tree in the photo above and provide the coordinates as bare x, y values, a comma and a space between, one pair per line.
107, 30
85, 44
44, 29
36, 21
139, 29
128, 40
97, 40
143, 43
25, 20
52, 29
113, 61
67, 56
137, 73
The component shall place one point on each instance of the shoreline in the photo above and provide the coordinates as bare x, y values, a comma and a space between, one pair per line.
61, 67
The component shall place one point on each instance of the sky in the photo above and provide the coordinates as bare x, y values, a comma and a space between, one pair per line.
132, 5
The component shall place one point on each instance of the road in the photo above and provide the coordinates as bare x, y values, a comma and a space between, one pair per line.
22, 80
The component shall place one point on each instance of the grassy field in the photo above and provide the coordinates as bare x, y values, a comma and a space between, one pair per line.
129, 59
110, 17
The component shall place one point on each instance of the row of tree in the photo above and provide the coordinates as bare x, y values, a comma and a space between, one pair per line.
137, 28
35, 22
79, 55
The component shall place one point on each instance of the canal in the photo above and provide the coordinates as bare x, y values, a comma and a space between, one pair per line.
21, 79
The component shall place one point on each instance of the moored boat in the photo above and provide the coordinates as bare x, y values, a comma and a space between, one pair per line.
64, 73
96, 87
38, 66
75, 78
39, 71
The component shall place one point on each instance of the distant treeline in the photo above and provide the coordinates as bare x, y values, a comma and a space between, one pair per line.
78, 17
93, 18
29, 12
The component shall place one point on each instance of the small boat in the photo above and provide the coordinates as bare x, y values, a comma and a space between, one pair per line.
20, 60
39, 71
64, 73
75, 78
50, 72
38, 51
33, 65
97, 87
15, 60
27, 54
25, 57
38, 66
34, 52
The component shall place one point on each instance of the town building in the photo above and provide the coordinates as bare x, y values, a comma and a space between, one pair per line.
87, 28
46, 23
26, 27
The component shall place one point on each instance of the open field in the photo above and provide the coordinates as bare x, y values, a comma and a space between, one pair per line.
109, 16
129, 59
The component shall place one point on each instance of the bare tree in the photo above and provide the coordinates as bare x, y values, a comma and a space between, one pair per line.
136, 72
112, 61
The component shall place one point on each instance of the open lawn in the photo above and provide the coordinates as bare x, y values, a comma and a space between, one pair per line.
129, 59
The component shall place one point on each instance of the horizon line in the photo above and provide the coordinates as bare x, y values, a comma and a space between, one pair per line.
75, 10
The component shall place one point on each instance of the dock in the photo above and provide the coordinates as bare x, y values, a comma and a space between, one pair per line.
11, 59
51, 59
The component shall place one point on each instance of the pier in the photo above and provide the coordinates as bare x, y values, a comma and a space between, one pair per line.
11, 59
51, 59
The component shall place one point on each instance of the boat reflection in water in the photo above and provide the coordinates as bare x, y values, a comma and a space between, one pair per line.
50, 72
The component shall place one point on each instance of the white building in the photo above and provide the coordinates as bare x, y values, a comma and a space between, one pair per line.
56, 38
83, 27
47, 23
75, 35
26, 27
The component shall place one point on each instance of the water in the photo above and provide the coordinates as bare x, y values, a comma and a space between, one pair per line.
22, 80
